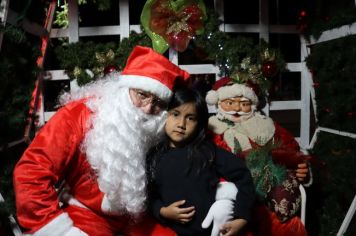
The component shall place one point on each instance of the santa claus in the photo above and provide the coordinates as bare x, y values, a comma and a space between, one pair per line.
240, 128
96, 143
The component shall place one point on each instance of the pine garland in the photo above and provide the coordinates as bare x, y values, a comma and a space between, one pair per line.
228, 53
333, 67
325, 15
16, 84
86, 61
334, 184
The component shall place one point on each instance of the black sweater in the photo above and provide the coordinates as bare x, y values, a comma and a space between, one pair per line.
173, 182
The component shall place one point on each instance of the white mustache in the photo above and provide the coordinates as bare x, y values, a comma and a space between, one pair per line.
241, 113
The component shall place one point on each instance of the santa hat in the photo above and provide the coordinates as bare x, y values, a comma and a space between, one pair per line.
150, 71
226, 88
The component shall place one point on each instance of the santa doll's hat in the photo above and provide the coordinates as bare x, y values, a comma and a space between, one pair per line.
150, 71
226, 88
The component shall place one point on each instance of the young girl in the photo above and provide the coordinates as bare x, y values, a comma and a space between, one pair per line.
185, 170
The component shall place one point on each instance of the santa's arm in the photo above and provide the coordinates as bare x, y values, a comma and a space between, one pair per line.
289, 155
42, 165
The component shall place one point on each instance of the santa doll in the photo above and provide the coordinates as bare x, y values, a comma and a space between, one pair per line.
240, 128
97, 143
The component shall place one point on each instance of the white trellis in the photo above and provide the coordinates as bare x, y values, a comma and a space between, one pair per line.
4, 6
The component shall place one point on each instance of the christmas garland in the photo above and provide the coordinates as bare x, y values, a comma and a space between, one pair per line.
237, 57
333, 68
325, 15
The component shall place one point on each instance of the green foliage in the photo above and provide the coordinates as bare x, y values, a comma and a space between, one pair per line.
328, 14
333, 67
231, 53
334, 179
264, 172
101, 4
227, 52
62, 16
75, 58
18, 73
127, 44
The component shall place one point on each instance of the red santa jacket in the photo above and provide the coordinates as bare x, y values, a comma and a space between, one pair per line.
55, 155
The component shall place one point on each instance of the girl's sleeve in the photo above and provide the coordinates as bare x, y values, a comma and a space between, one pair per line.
42, 165
155, 203
233, 169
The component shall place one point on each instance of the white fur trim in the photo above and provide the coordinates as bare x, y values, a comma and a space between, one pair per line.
216, 125
147, 84
259, 128
237, 90
226, 190
57, 227
310, 182
212, 97
231, 134
106, 205
74, 231
74, 202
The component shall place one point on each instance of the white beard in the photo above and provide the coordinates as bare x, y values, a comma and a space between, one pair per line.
117, 145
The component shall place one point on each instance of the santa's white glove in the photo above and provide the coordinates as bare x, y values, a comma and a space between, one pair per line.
74, 231
223, 208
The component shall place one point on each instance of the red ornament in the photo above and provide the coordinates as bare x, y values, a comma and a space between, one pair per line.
269, 69
316, 85
303, 13
109, 69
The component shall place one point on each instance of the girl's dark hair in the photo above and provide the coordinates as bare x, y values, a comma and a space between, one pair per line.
198, 143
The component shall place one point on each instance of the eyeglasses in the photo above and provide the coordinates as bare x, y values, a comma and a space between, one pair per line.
235, 103
143, 98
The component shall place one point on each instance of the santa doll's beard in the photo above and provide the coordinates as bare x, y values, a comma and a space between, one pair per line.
116, 149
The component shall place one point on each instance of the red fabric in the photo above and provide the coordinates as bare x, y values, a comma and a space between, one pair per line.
96, 225
53, 155
149, 226
156, 67
221, 83
285, 199
266, 223
218, 140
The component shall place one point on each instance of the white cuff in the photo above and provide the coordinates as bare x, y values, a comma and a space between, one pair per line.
56, 227
226, 190
310, 182
74, 231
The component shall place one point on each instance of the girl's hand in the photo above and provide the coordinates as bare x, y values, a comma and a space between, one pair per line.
302, 171
232, 227
176, 213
